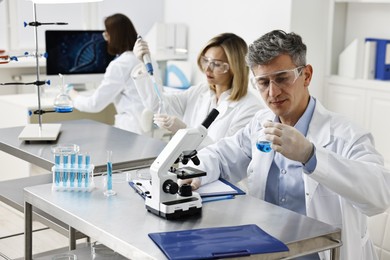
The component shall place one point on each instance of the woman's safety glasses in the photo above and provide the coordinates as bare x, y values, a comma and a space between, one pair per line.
282, 79
216, 66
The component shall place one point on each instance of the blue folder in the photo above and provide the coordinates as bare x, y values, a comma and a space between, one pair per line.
382, 65
215, 243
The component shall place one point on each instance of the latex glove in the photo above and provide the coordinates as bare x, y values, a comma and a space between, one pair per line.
194, 182
288, 141
140, 49
168, 122
72, 93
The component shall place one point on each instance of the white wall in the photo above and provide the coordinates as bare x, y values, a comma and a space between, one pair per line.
252, 18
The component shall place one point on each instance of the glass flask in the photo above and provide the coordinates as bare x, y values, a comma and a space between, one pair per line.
63, 103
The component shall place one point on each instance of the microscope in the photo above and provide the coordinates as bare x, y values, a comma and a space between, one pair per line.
166, 198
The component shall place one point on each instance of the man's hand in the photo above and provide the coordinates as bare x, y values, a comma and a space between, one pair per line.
194, 182
288, 141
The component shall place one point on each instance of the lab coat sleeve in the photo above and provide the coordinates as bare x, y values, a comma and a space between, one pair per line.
243, 113
111, 85
357, 173
228, 158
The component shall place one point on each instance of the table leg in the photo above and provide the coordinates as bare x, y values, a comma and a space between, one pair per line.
72, 238
335, 253
27, 231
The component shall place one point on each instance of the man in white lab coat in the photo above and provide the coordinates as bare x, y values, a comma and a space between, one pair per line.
321, 164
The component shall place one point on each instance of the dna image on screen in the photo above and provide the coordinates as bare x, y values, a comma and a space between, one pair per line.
76, 52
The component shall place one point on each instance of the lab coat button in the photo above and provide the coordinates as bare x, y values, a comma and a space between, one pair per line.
283, 171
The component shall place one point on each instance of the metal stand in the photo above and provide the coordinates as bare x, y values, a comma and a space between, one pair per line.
47, 132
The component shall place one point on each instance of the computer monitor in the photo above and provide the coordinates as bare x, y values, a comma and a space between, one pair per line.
76, 52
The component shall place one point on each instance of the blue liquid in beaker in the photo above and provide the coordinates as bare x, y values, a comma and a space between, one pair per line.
63, 109
264, 146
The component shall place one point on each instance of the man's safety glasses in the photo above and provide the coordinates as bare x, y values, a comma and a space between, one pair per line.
216, 66
282, 79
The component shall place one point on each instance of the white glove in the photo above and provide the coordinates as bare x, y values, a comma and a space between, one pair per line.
140, 49
194, 182
72, 93
288, 141
168, 122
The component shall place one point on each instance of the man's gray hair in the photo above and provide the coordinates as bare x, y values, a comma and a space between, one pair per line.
275, 43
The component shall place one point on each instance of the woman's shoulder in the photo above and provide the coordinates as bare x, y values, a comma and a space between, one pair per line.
124, 62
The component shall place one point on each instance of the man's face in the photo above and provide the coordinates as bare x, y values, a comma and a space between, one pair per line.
284, 87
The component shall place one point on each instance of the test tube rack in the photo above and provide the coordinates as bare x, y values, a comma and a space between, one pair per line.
77, 177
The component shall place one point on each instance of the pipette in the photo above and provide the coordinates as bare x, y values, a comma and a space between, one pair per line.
149, 68
147, 61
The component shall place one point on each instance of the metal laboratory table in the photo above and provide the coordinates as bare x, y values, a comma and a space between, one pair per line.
129, 150
122, 223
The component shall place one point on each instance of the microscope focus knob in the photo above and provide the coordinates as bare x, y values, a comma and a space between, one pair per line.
185, 190
170, 186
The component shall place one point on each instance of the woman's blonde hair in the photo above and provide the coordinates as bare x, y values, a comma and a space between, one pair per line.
235, 49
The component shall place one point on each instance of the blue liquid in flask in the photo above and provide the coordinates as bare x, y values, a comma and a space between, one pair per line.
264, 146
63, 109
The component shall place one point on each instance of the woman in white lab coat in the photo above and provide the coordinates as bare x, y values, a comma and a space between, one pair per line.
117, 86
223, 62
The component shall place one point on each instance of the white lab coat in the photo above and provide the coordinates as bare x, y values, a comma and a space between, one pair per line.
194, 104
348, 184
117, 87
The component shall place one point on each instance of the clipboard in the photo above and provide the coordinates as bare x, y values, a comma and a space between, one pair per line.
221, 189
216, 243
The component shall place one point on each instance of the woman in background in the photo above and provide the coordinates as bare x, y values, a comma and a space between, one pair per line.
222, 61
117, 86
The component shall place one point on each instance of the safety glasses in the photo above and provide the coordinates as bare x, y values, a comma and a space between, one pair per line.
216, 66
282, 79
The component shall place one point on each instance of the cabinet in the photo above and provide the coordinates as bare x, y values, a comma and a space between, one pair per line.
366, 102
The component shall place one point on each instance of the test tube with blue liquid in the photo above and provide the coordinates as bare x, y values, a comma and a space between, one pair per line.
87, 163
109, 192
65, 158
72, 171
79, 172
57, 175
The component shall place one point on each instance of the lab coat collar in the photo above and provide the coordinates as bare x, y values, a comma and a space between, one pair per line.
319, 129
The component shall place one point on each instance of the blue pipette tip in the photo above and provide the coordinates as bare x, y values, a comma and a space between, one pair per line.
48, 82
13, 58
26, 53
30, 113
25, 24
45, 55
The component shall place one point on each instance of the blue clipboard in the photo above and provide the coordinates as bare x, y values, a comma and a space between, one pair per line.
215, 243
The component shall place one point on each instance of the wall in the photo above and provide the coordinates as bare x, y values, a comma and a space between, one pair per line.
252, 18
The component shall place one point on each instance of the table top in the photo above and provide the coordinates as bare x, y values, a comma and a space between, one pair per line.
122, 222
129, 149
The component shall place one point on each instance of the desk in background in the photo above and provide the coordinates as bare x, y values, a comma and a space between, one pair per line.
122, 222
129, 150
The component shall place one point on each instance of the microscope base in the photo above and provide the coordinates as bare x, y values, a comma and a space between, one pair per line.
178, 209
